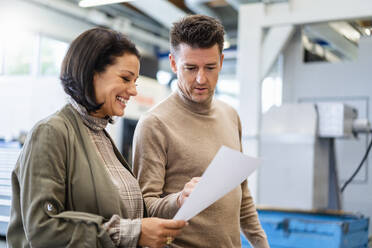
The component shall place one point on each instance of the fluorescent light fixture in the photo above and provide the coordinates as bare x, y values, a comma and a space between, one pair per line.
91, 3
346, 30
226, 44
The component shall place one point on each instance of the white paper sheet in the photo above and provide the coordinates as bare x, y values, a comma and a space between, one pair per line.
228, 169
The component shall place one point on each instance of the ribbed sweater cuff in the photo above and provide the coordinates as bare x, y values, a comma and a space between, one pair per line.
172, 204
261, 243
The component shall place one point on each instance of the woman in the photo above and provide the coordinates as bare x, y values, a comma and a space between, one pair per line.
71, 187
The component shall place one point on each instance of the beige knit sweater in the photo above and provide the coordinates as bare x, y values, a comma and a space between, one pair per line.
176, 141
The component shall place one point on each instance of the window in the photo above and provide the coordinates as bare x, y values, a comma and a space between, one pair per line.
51, 55
272, 86
271, 92
227, 84
163, 77
18, 53
227, 90
1, 56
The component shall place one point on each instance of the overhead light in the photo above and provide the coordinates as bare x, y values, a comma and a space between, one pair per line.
368, 31
226, 44
91, 3
346, 30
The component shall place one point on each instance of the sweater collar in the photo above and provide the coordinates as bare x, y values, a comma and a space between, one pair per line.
204, 108
90, 121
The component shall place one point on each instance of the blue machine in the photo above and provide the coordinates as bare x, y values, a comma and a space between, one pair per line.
288, 229
9, 152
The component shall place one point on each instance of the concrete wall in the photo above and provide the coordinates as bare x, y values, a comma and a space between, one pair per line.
348, 82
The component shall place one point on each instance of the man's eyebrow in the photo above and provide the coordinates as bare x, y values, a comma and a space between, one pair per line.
209, 64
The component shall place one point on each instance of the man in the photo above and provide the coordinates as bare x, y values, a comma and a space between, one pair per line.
179, 137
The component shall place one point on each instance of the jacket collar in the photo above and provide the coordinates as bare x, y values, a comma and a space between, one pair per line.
99, 175
90, 121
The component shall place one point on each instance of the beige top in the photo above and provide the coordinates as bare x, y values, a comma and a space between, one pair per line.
176, 141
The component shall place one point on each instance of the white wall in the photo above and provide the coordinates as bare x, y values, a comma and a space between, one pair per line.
26, 100
349, 82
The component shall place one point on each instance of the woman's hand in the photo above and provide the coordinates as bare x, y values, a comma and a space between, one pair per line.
155, 232
187, 189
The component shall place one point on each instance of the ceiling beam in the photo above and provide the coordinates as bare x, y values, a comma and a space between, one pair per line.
298, 12
335, 39
199, 7
161, 10
96, 17
235, 3
275, 41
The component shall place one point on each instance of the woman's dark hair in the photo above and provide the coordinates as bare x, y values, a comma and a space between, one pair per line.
197, 31
90, 53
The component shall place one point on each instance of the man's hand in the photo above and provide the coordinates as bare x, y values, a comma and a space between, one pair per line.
187, 189
155, 231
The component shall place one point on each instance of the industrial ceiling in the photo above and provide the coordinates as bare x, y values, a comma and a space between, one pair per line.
150, 20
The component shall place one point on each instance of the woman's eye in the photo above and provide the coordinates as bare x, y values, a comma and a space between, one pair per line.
126, 79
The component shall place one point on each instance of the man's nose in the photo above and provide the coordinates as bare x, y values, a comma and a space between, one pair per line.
201, 78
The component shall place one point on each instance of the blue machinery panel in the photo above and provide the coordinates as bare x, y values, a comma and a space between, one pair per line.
9, 152
286, 229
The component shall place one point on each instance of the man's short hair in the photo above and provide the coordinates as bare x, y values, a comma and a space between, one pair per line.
91, 53
197, 31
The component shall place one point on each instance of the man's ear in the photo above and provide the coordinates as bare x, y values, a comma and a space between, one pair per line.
173, 64
221, 60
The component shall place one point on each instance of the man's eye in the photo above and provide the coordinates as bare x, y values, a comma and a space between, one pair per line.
190, 68
211, 68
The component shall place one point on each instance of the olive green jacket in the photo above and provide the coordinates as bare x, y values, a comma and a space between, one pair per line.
62, 192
